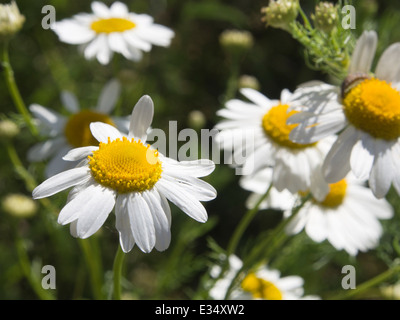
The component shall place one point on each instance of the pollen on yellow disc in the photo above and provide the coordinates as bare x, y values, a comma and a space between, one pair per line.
260, 288
125, 165
276, 128
336, 195
373, 106
77, 130
112, 25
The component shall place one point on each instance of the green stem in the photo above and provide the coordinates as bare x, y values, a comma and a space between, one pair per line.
368, 284
27, 270
93, 264
14, 92
117, 269
244, 223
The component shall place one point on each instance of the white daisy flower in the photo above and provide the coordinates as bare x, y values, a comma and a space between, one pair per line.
67, 132
265, 119
114, 29
262, 284
347, 216
126, 173
366, 114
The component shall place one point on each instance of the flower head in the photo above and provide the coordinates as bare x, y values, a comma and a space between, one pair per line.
293, 163
11, 20
366, 113
325, 16
113, 29
345, 213
67, 132
126, 173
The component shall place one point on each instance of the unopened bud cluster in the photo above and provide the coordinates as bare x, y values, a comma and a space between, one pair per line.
325, 17
280, 13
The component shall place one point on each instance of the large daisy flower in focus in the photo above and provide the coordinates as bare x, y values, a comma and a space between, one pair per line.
126, 173
347, 216
66, 132
365, 112
262, 284
264, 120
114, 29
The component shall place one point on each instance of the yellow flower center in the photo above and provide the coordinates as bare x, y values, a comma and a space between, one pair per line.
335, 197
112, 25
274, 125
125, 165
374, 107
260, 288
77, 130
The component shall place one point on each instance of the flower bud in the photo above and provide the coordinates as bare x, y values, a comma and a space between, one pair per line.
196, 119
11, 20
325, 17
8, 129
280, 13
246, 81
19, 205
236, 41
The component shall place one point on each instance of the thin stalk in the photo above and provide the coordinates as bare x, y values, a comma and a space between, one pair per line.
14, 92
369, 284
117, 270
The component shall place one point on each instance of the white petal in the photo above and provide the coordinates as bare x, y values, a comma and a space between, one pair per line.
70, 101
200, 189
109, 96
104, 53
60, 182
161, 223
73, 32
57, 164
156, 34
142, 116
364, 52
195, 168
123, 224
102, 131
388, 67
183, 200
44, 150
382, 171
256, 97
316, 226
142, 223
361, 159
49, 118
100, 9
79, 153
337, 162
119, 9
118, 44
95, 211
136, 42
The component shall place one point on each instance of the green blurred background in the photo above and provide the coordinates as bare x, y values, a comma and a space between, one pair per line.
191, 74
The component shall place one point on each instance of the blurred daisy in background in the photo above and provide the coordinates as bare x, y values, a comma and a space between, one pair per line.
365, 112
347, 216
66, 132
265, 119
262, 284
126, 173
114, 29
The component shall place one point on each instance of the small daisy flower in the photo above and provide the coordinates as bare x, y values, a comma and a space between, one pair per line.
114, 29
347, 215
126, 173
67, 132
262, 284
365, 112
293, 163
